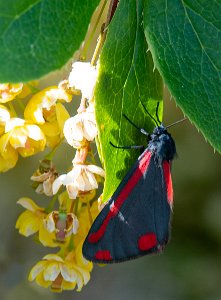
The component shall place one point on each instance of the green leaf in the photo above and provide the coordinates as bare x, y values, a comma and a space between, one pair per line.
37, 37
185, 41
126, 77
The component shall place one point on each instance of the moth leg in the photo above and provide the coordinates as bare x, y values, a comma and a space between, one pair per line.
143, 131
128, 147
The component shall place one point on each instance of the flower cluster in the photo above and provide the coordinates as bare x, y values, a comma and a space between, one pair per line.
47, 123
40, 124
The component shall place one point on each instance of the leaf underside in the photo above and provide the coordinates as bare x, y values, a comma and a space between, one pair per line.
126, 78
40, 36
184, 37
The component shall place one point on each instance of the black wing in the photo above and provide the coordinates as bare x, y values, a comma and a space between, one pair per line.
136, 219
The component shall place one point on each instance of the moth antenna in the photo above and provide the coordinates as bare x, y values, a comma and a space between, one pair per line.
149, 113
157, 107
177, 122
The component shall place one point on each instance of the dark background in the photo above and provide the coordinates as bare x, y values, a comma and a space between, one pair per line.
188, 269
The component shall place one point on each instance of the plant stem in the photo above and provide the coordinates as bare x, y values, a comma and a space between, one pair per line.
51, 154
102, 37
83, 55
51, 204
89, 213
11, 107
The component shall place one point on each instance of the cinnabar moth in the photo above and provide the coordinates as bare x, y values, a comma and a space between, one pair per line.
136, 219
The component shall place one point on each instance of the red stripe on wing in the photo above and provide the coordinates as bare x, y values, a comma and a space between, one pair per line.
168, 180
116, 205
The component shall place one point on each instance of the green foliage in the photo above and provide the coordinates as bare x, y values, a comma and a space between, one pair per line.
37, 37
126, 77
185, 41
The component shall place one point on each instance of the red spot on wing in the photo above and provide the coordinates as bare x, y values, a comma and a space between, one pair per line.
147, 241
168, 180
116, 205
103, 255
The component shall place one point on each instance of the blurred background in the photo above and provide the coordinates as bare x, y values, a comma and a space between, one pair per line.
190, 267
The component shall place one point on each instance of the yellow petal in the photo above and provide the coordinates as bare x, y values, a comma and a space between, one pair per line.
49, 223
53, 141
68, 285
29, 204
52, 133
51, 271
38, 268
71, 274
85, 274
35, 133
58, 94
46, 238
33, 110
53, 257
80, 282
68, 273
41, 281
32, 147
14, 123
4, 114
8, 155
62, 115
50, 129
81, 261
28, 223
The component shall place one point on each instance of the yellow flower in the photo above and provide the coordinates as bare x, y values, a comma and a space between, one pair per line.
27, 139
53, 127
62, 223
43, 109
32, 221
8, 155
62, 274
9, 91
41, 106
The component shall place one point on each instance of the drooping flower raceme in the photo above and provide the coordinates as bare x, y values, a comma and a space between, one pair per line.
67, 226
